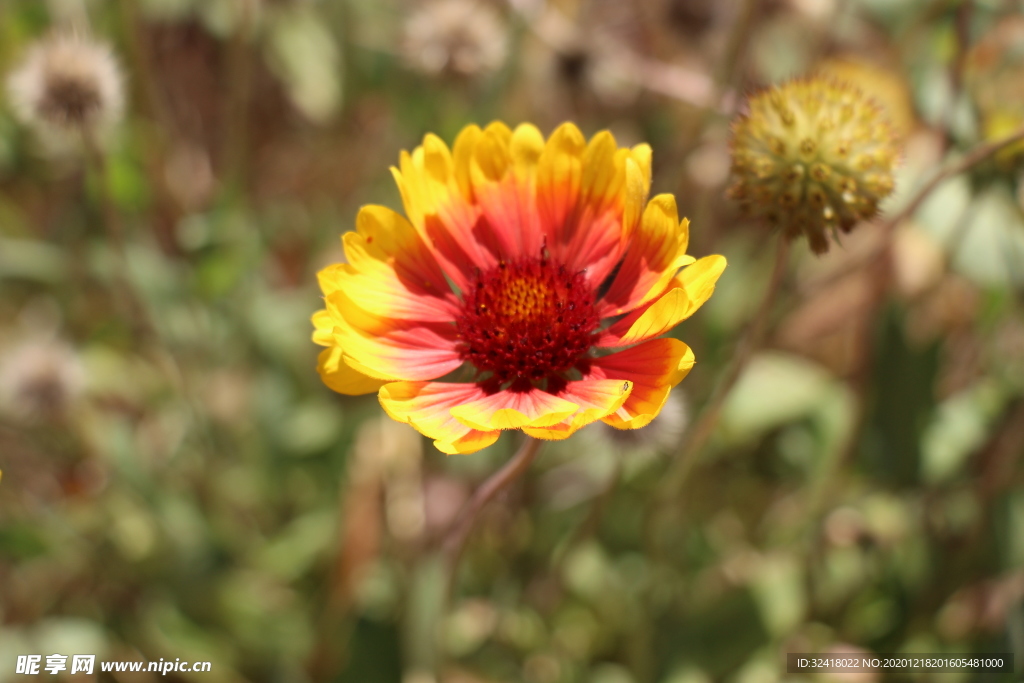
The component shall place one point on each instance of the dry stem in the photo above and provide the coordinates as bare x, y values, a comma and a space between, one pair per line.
466, 520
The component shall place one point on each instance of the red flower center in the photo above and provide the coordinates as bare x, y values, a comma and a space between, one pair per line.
527, 320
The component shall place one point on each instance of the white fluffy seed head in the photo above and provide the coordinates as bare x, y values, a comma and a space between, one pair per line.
67, 84
40, 379
456, 37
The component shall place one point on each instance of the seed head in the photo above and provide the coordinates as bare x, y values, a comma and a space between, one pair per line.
810, 157
886, 86
40, 379
67, 84
455, 37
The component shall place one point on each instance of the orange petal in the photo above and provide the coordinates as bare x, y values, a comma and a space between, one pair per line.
653, 367
387, 348
597, 398
685, 294
437, 202
427, 407
503, 176
581, 191
594, 240
509, 409
657, 249
342, 377
559, 176
391, 271
602, 222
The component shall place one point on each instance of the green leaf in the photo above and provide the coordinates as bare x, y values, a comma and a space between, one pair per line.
959, 426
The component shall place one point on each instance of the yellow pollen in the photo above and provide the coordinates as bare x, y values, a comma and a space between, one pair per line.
523, 300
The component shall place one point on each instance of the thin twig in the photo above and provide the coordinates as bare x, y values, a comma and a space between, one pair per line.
702, 429
466, 520
974, 157
978, 154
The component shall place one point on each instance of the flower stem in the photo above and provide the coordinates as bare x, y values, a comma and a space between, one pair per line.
702, 429
466, 520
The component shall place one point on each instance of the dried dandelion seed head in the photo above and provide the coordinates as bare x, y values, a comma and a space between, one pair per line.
41, 378
455, 37
66, 85
811, 157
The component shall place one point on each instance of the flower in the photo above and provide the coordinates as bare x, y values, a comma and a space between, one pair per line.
67, 84
515, 254
812, 156
459, 37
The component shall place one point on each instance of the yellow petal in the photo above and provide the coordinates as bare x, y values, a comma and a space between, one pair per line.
323, 328
392, 349
597, 398
559, 175
342, 377
514, 409
659, 318
656, 251
526, 147
653, 367
427, 407
699, 279
685, 294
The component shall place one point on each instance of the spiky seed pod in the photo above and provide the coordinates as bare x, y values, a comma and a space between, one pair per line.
67, 84
810, 157
885, 85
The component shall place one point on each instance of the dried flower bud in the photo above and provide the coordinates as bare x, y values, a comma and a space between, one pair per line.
886, 86
812, 156
67, 84
455, 37
40, 379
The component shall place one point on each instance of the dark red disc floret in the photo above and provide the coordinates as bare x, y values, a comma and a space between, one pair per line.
527, 320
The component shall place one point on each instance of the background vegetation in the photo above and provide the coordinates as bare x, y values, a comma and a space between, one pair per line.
178, 483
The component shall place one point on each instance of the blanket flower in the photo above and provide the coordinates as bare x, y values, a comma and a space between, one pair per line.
527, 287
